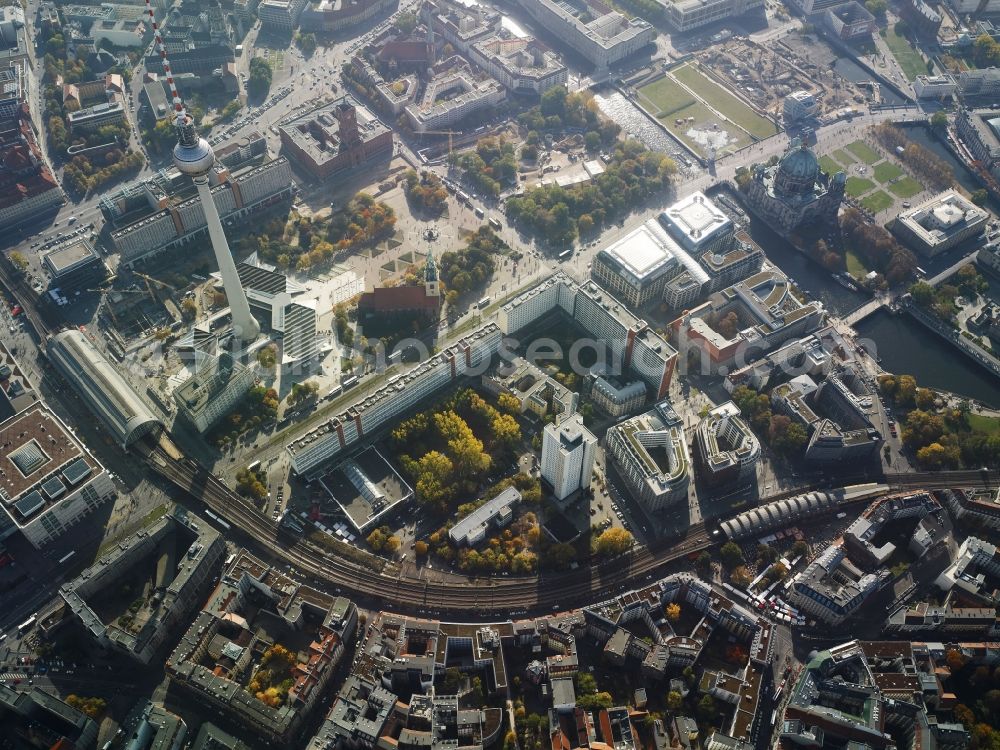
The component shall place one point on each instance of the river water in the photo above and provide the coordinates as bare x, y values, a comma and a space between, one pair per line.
854, 73
907, 348
903, 344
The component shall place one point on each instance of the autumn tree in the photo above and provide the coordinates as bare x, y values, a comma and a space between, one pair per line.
92, 707
736, 654
19, 261
740, 577
674, 700
731, 554
433, 475
955, 659
508, 403
673, 611
704, 562
613, 541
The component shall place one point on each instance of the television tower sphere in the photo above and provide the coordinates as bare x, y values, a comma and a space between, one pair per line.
192, 155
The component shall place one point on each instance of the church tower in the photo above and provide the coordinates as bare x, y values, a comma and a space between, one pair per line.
431, 284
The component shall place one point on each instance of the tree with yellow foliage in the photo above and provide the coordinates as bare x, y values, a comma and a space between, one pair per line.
613, 541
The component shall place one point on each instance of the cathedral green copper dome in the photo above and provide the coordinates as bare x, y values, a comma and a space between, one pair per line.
800, 163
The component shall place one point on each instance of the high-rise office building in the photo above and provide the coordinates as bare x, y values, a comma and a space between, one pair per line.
568, 456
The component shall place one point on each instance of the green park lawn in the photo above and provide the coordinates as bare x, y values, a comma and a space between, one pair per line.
844, 157
982, 423
722, 101
908, 58
828, 165
666, 97
885, 171
877, 201
906, 187
864, 152
855, 266
858, 186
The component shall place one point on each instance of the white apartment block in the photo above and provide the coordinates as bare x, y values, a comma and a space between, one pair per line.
433, 113
728, 450
685, 15
297, 322
934, 87
601, 36
213, 391
280, 15
651, 455
631, 344
236, 198
521, 65
470, 356
568, 451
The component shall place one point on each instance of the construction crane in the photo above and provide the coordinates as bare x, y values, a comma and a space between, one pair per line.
167, 303
149, 285
448, 133
107, 305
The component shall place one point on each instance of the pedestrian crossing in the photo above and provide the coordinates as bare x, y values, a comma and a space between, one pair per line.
12, 676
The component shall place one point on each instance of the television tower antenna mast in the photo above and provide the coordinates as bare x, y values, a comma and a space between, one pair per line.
194, 157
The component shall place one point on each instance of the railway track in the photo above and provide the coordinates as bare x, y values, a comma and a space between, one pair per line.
455, 594
461, 595
15, 284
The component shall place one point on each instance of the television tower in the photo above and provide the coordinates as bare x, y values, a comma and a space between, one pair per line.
194, 157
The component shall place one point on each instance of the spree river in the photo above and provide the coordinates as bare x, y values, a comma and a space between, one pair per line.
907, 348
904, 345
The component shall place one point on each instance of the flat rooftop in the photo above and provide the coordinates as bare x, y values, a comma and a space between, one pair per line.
643, 253
317, 133
70, 256
39, 462
32, 445
382, 491
695, 221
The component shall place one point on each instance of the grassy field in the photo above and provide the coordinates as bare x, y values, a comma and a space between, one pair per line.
908, 58
906, 187
981, 423
877, 201
722, 101
828, 165
864, 152
855, 267
858, 186
844, 157
665, 97
885, 171
668, 101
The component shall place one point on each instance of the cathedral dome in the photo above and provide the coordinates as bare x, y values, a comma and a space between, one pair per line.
800, 163
797, 172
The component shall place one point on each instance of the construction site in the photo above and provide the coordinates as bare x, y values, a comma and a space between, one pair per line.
765, 75
138, 305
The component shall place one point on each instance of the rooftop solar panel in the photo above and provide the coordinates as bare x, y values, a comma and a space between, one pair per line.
76, 472
53, 488
30, 504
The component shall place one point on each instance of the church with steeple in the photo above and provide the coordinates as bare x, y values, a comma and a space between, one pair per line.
389, 304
